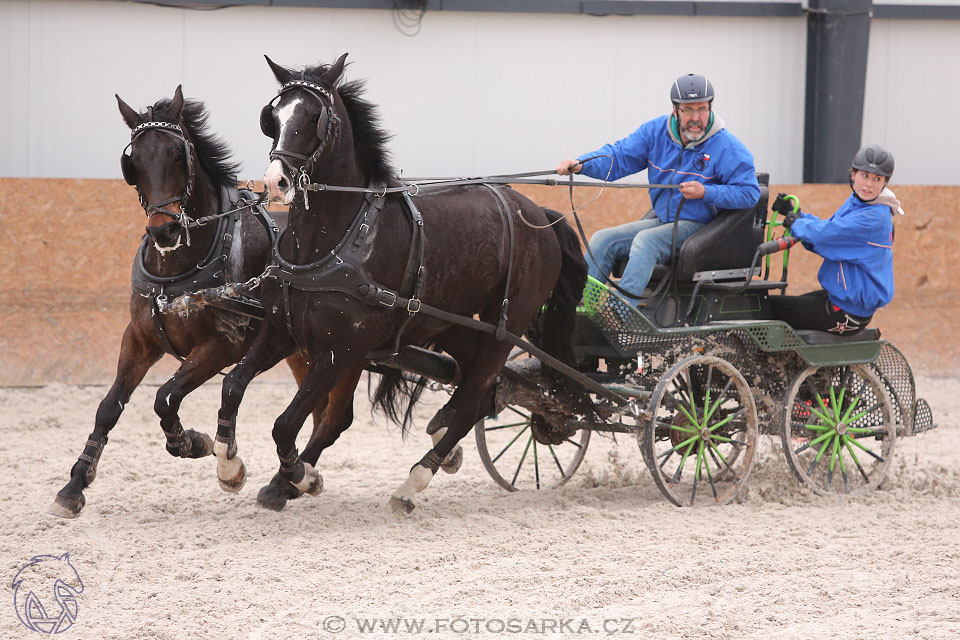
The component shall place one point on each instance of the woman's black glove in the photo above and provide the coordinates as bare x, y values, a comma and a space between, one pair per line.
784, 204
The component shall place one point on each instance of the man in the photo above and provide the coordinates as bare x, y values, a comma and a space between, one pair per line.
689, 148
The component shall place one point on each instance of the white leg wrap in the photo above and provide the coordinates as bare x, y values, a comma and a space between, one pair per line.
231, 473
416, 482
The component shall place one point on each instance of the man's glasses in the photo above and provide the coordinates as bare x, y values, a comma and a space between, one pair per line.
687, 111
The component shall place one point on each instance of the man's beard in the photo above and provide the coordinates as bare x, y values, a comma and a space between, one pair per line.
693, 136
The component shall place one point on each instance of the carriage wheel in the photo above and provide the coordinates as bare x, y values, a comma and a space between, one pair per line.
838, 420
702, 433
520, 452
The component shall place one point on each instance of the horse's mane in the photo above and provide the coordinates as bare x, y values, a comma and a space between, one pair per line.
212, 152
369, 138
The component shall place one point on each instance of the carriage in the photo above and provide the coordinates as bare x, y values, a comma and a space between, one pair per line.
705, 372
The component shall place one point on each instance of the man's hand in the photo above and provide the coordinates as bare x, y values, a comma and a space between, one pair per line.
789, 219
692, 190
567, 167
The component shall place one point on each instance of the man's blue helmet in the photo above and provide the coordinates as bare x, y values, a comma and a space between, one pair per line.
692, 87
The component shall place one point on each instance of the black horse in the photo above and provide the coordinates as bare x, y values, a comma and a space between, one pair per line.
182, 174
360, 272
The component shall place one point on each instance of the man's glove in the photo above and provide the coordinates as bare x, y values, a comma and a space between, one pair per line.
789, 219
784, 204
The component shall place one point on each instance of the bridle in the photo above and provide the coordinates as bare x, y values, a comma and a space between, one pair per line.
328, 125
130, 173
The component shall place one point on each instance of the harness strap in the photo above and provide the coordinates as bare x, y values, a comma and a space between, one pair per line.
504, 209
415, 270
479, 325
158, 326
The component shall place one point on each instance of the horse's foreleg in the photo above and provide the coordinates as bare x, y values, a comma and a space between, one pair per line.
136, 358
332, 415
201, 365
269, 348
318, 382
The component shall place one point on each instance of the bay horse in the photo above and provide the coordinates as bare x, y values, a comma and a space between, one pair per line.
183, 173
362, 271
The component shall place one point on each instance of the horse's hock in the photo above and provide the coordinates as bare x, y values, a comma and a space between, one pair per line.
66, 256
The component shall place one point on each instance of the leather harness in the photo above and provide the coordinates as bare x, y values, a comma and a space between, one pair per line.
209, 272
343, 270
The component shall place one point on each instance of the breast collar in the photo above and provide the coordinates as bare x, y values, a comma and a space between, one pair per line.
343, 269
209, 272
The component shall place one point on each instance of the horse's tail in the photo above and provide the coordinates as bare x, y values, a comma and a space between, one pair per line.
560, 312
396, 395
558, 316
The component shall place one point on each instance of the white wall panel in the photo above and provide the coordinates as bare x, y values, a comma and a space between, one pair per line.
472, 93
911, 75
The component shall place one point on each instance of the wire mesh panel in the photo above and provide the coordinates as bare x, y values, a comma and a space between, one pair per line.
897, 377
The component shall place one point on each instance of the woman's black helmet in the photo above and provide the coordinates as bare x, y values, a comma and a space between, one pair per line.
692, 87
875, 159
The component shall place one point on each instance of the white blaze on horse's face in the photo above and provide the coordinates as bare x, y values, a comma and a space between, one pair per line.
280, 186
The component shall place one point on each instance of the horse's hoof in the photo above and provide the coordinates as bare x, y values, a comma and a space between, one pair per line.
272, 497
201, 445
401, 506
231, 480
451, 464
67, 507
312, 482
284, 487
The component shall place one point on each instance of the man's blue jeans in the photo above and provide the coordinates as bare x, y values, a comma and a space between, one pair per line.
645, 242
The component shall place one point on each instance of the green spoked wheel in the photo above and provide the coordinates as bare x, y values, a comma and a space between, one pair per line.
521, 450
838, 430
700, 440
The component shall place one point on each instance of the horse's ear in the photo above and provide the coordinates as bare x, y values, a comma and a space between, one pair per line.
131, 117
176, 105
282, 75
332, 76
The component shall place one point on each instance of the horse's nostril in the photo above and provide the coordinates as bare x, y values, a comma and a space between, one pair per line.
282, 184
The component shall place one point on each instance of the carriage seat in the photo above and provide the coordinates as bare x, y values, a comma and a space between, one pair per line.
727, 242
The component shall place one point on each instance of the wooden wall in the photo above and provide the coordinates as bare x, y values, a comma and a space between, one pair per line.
66, 248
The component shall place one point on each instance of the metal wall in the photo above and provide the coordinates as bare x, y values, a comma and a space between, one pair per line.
471, 93
911, 76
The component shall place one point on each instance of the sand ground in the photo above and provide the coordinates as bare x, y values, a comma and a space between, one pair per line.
164, 553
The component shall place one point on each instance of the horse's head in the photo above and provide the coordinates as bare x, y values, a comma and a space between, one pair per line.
303, 122
162, 166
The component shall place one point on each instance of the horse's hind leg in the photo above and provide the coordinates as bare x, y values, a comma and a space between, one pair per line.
337, 414
454, 420
269, 347
202, 364
136, 358
453, 460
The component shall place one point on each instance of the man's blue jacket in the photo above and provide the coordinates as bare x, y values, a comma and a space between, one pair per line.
856, 243
718, 160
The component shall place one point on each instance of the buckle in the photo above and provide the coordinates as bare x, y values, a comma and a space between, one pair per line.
387, 298
413, 306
